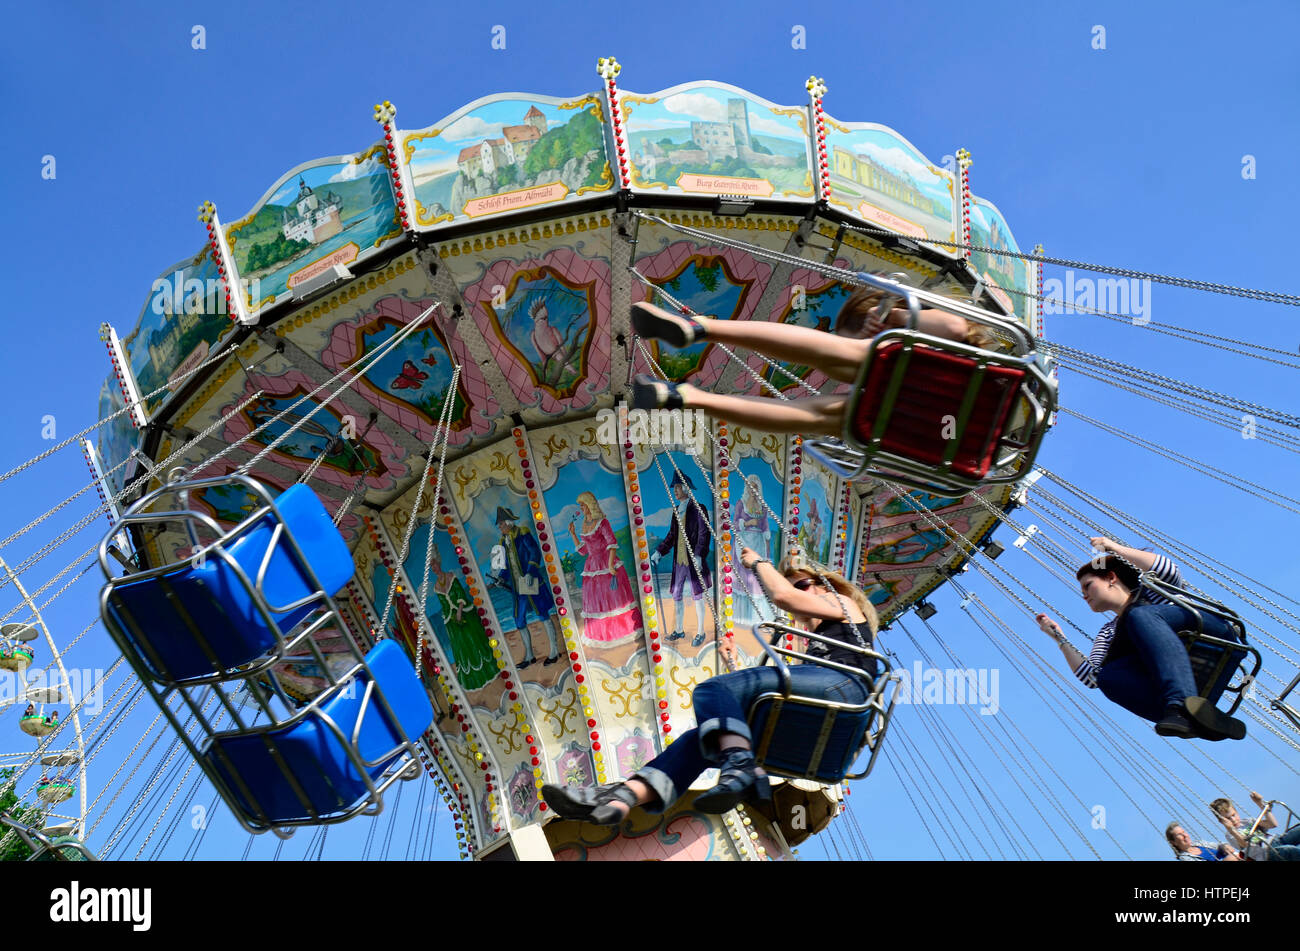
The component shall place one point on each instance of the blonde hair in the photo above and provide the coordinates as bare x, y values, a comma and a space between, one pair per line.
861, 304
837, 581
593, 504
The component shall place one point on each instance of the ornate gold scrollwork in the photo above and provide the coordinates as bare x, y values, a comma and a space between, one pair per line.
500, 462
510, 733
560, 712
684, 689
772, 444
554, 445
624, 693
464, 477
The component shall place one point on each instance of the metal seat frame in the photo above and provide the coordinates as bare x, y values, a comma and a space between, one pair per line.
1287, 827
1200, 606
852, 458
878, 708
258, 680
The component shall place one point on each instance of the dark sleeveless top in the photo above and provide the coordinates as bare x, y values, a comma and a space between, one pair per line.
843, 631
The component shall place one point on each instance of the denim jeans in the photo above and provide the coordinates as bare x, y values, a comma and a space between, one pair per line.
722, 706
1158, 673
1286, 847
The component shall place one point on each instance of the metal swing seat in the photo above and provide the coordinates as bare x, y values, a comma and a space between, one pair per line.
804, 737
942, 415
1291, 821
1215, 660
49, 845
213, 628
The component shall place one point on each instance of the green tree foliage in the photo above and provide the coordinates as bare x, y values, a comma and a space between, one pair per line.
576, 137
15, 850
273, 252
708, 276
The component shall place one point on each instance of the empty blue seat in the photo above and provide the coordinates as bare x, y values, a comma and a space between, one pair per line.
195, 620
248, 765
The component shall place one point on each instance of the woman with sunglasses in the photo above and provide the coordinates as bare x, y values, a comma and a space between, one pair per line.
819, 600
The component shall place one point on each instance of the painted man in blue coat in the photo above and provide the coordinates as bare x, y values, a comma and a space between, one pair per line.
690, 554
524, 574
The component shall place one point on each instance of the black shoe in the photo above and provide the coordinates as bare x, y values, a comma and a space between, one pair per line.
675, 636
527, 662
651, 393
550, 660
1211, 723
738, 781
658, 324
589, 803
697, 640
1175, 722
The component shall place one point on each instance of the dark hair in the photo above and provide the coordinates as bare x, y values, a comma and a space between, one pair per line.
1124, 570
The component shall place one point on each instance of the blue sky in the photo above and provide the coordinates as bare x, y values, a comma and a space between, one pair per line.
1130, 156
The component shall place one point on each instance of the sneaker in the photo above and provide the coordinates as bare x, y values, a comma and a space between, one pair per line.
656, 323
649, 392
1175, 722
1211, 723
697, 640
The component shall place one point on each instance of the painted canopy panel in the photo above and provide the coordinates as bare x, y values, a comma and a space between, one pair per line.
331, 211
988, 229
882, 178
710, 138
507, 153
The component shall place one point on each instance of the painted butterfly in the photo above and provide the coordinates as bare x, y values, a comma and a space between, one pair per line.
430, 360
410, 378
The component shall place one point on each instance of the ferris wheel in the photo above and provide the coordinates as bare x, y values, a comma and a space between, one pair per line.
43, 694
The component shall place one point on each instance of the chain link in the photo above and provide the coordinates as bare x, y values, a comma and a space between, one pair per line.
1275, 297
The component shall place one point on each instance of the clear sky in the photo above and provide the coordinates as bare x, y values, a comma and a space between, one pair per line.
1132, 155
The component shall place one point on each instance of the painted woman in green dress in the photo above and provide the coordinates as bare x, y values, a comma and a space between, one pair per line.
469, 646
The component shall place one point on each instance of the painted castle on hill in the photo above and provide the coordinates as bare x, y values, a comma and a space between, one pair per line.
314, 220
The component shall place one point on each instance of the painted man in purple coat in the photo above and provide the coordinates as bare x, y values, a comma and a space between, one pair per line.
690, 548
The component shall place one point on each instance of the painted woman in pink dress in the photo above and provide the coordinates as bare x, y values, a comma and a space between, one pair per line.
608, 605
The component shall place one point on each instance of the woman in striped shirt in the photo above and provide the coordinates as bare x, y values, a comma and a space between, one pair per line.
1138, 660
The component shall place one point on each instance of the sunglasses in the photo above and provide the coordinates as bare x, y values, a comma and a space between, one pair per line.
803, 584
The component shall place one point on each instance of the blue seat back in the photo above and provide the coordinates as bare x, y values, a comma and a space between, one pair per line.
168, 618
312, 753
794, 740
1205, 660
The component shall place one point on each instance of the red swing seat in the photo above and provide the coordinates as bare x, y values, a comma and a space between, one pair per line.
942, 415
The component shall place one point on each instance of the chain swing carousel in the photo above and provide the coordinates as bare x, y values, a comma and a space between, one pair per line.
368, 520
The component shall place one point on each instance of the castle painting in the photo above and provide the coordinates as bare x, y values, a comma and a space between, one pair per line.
318, 215
507, 154
311, 219
712, 139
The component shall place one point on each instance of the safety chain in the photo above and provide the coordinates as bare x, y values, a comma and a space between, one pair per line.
1270, 296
